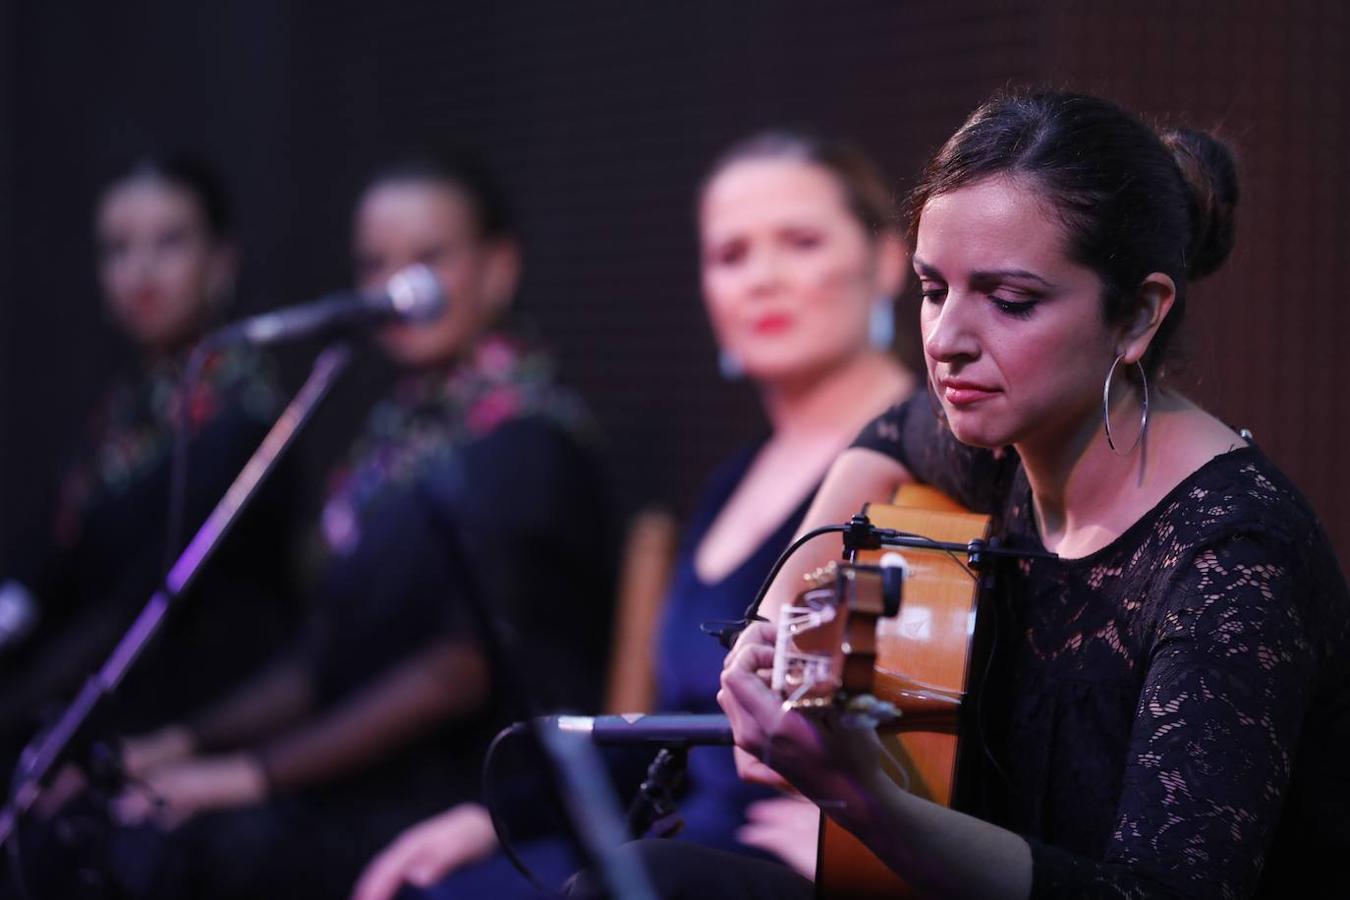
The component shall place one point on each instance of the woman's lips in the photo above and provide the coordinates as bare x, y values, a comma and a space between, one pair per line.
774, 323
964, 393
145, 301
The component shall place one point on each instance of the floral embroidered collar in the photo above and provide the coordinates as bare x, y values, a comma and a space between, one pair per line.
132, 429
431, 414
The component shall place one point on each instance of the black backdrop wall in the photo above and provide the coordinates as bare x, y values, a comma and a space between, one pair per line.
602, 116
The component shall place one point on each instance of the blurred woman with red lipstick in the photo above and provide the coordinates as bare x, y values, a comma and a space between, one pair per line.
166, 265
801, 265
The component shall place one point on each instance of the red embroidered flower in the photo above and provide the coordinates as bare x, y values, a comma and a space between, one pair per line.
497, 406
496, 358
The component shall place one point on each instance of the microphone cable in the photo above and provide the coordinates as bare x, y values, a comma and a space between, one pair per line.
726, 632
494, 813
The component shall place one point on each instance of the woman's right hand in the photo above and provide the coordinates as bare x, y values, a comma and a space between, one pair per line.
429, 851
142, 755
832, 760
748, 766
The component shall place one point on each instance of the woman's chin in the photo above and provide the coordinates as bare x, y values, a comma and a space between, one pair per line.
158, 337
405, 347
976, 433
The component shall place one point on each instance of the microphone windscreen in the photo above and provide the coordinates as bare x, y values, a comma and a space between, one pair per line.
415, 293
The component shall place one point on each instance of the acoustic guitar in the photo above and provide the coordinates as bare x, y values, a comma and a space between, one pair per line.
859, 629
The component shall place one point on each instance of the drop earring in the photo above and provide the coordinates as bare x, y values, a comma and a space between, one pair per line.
729, 365
881, 324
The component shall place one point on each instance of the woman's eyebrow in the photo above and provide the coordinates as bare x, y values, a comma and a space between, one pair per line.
996, 274
985, 275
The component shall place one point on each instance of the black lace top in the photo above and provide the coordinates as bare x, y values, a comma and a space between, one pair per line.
1169, 716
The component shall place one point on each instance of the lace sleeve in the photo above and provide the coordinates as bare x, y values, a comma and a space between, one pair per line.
1229, 679
913, 436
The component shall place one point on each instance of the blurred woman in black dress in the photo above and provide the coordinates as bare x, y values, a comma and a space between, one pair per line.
166, 265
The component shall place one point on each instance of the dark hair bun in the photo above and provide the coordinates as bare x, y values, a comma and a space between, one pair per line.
1211, 175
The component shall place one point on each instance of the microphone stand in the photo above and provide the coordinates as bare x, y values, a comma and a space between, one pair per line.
47, 748
654, 812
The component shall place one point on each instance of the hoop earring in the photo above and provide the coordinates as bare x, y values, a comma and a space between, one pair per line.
729, 365
1106, 406
881, 324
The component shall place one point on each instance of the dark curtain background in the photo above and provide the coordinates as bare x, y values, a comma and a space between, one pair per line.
602, 116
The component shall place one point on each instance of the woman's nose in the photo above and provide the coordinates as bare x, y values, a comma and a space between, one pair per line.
140, 262
949, 330
763, 271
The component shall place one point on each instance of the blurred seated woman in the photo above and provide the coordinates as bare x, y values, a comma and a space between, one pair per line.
1166, 711
474, 487
801, 265
166, 266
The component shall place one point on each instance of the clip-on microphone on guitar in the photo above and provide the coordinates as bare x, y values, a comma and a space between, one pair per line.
860, 534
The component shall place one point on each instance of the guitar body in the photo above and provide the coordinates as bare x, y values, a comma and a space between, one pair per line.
924, 665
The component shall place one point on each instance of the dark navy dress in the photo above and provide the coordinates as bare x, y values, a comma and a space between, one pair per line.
689, 662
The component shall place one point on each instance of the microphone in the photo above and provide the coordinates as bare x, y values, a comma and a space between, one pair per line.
18, 613
685, 730
412, 294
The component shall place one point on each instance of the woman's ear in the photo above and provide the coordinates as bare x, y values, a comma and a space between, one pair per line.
221, 270
501, 276
1153, 301
892, 266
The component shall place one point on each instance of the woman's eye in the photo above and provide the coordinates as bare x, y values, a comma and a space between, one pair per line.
933, 293
803, 240
727, 254
172, 240
1020, 309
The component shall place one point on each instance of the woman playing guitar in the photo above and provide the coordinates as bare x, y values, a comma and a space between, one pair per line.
1166, 712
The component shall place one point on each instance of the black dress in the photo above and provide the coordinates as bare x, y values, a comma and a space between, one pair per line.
104, 554
1169, 715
